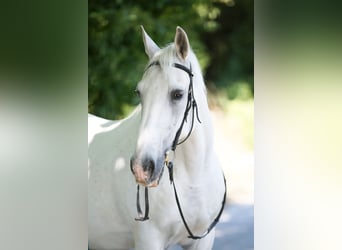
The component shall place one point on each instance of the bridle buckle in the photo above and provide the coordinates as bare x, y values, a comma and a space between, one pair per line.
168, 162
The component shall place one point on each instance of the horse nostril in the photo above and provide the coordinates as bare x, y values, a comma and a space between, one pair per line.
149, 166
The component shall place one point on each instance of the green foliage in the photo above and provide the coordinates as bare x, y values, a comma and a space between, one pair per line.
116, 53
232, 50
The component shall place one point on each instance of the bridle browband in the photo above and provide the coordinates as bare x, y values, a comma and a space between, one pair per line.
191, 104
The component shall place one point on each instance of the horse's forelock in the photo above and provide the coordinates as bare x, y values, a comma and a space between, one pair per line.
167, 57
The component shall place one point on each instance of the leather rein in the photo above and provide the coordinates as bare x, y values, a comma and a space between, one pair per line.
168, 162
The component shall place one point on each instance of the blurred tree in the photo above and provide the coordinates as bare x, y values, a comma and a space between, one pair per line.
116, 54
232, 50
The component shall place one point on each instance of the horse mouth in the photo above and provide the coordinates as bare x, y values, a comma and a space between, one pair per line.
147, 171
154, 182
150, 180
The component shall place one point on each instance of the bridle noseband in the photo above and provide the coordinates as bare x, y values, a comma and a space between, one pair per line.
168, 161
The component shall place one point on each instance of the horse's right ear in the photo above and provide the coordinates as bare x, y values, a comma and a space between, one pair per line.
150, 47
181, 43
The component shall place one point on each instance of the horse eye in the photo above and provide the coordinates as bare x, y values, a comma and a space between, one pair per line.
176, 94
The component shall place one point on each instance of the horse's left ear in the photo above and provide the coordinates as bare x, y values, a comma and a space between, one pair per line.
181, 43
150, 47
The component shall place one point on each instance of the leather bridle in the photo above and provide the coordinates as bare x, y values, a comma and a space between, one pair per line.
168, 161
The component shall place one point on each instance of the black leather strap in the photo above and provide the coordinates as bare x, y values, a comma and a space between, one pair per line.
147, 207
215, 221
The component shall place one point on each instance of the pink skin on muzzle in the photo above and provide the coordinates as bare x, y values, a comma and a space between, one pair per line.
143, 177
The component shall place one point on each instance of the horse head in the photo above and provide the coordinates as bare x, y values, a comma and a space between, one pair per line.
164, 94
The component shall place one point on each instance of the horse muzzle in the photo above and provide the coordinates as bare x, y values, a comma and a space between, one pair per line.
147, 172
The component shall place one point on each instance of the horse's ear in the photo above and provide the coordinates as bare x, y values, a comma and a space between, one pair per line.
150, 47
181, 43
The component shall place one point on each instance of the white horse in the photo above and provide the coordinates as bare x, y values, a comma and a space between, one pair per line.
139, 145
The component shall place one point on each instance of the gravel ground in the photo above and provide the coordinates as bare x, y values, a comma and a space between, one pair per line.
236, 228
